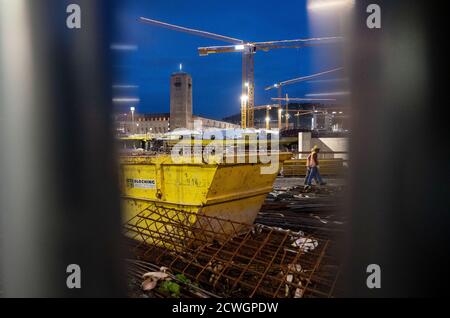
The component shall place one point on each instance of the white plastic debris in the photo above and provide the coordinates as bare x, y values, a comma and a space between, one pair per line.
305, 244
156, 275
297, 268
149, 284
151, 279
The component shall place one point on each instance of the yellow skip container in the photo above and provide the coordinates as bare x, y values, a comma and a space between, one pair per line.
229, 191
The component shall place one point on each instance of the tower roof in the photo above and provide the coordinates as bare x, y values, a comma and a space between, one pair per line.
180, 73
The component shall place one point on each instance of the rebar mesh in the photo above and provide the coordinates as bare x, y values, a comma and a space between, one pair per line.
232, 259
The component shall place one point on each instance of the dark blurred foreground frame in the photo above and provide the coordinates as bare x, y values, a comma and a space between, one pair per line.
58, 196
59, 199
399, 205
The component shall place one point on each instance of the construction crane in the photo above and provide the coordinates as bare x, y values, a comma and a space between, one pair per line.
279, 86
287, 99
269, 107
248, 49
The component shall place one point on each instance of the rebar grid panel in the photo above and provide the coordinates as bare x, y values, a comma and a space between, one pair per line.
233, 259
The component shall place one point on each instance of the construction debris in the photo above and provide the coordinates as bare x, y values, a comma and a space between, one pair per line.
249, 261
316, 211
162, 284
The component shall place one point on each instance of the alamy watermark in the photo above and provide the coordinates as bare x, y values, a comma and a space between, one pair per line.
225, 146
73, 20
73, 280
373, 281
374, 19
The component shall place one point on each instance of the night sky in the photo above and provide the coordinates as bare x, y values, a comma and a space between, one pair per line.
145, 56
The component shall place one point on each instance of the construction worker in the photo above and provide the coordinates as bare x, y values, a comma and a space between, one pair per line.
312, 166
308, 169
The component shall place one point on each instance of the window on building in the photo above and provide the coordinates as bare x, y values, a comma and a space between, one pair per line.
177, 83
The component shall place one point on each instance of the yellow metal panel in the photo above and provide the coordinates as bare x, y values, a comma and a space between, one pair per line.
297, 167
178, 184
238, 181
228, 191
